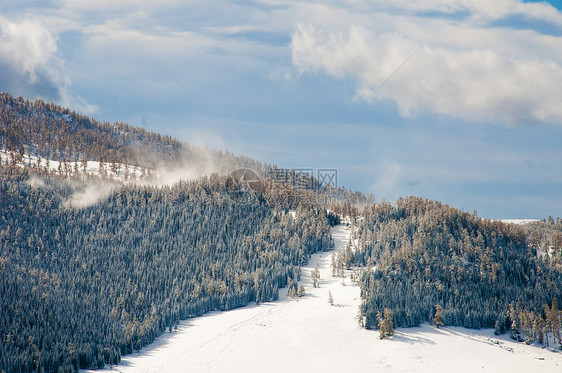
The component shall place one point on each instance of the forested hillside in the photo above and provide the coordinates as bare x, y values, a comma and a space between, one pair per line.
58, 134
421, 256
81, 287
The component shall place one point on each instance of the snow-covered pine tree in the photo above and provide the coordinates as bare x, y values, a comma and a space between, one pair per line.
438, 319
315, 276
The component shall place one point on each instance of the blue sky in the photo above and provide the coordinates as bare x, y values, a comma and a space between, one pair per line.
473, 119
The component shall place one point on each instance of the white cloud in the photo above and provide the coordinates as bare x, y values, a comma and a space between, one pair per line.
464, 66
26, 45
478, 10
390, 179
461, 68
30, 65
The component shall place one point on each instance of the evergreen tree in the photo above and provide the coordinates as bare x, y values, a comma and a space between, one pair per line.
385, 323
388, 322
315, 276
381, 325
438, 319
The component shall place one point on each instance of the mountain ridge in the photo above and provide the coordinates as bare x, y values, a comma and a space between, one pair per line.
84, 284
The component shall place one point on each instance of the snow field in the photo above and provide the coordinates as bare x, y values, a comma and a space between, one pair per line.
92, 167
310, 335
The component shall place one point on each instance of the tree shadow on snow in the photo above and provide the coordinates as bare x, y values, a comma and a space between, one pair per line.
411, 338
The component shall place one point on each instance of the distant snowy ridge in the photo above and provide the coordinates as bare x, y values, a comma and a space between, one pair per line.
517, 221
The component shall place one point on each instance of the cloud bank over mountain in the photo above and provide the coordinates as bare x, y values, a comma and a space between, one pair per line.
464, 65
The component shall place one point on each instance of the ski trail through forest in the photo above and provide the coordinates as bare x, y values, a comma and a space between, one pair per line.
309, 334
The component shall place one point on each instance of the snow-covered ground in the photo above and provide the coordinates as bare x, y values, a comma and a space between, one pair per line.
122, 172
310, 335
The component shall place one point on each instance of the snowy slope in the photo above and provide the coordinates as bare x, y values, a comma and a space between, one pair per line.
309, 335
92, 167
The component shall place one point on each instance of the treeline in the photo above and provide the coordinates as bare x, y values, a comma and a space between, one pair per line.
79, 288
52, 132
417, 255
56, 133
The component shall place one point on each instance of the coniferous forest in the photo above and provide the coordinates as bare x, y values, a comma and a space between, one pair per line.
56, 133
82, 286
420, 256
